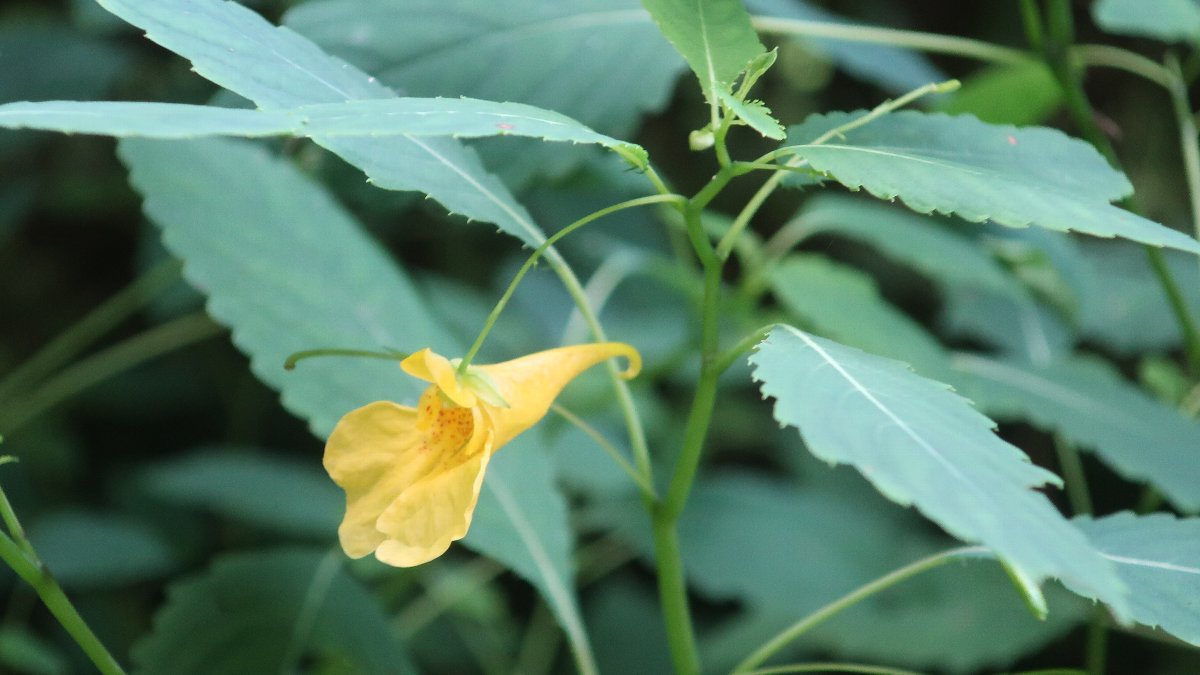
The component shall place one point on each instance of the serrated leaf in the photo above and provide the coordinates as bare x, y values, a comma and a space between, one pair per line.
922, 445
844, 304
250, 486
600, 61
87, 550
714, 37
959, 165
1158, 558
754, 113
273, 252
1088, 402
262, 612
278, 69
381, 118
894, 69
1167, 20
926, 244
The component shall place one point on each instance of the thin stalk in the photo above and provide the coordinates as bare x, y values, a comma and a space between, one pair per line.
772, 646
86, 331
1073, 476
1057, 50
1097, 642
726, 358
290, 362
743, 217
537, 254
612, 451
21, 558
123, 356
832, 668
13, 524
926, 42
1189, 139
1107, 56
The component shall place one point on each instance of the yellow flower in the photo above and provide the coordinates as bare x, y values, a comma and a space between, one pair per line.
412, 475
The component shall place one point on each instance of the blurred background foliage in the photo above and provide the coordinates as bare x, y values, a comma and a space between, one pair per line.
185, 511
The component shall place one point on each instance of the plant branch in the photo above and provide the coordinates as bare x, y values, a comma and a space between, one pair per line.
18, 554
772, 646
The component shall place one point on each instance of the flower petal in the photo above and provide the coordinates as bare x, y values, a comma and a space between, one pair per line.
377, 452
437, 510
531, 383
435, 368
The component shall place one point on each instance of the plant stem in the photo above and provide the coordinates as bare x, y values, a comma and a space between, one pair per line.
537, 254
1073, 475
862, 668
1188, 137
1057, 49
772, 646
132, 352
91, 327
926, 42
19, 555
641, 481
665, 514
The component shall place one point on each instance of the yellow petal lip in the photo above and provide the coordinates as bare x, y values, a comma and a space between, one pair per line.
432, 367
412, 476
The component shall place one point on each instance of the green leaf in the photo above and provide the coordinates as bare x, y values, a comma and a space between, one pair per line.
1122, 305
270, 249
22, 651
1167, 20
273, 252
959, 165
522, 519
1018, 93
147, 120
844, 304
1087, 401
383, 118
1158, 558
266, 612
926, 244
1018, 326
600, 61
754, 113
714, 37
893, 69
88, 550
250, 486
920, 444
278, 69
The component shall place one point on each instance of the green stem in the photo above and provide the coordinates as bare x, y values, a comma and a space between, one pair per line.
743, 217
641, 481
1057, 50
15, 530
91, 327
30, 568
832, 668
132, 352
926, 42
293, 359
1189, 139
1097, 642
772, 646
665, 514
1073, 475
672, 594
727, 357
537, 254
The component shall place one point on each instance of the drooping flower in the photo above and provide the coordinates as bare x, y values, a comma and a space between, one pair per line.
412, 475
